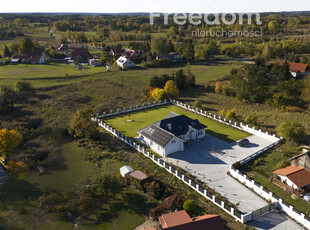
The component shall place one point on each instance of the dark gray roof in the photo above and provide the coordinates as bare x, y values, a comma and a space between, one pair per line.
160, 133
156, 134
179, 125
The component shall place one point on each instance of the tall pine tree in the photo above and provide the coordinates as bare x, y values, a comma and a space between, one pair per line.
6, 52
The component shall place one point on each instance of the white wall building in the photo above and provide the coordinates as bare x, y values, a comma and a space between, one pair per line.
125, 63
169, 135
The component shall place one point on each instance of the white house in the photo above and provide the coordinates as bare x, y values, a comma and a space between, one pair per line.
169, 135
297, 178
125, 63
37, 57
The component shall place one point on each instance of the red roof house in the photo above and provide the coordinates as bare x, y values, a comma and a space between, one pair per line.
295, 177
182, 221
297, 69
133, 54
81, 55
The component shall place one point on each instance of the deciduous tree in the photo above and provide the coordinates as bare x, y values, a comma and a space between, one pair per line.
26, 46
171, 89
81, 124
9, 139
292, 130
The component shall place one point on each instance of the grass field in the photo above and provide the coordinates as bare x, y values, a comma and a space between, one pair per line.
146, 117
57, 73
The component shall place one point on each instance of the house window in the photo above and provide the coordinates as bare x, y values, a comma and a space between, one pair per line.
173, 141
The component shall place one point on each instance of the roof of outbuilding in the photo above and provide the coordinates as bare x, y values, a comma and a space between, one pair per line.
182, 221
125, 169
138, 175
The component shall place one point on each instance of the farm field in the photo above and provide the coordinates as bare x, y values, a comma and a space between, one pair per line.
146, 117
58, 73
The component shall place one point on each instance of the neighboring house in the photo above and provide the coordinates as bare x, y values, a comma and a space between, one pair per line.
298, 69
125, 63
125, 170
168, 135
80, 55
133, 54
116, 51
295, 179
302, 160
180, 220
37, 57
172, 55
94, 62
15, 60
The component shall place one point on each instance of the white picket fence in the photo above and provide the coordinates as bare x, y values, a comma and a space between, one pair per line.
244, 218
230, 210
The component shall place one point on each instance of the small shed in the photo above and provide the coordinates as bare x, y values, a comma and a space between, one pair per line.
125, 170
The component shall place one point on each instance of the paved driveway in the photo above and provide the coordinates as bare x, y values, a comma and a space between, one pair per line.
276, 221
198, 159
212, 169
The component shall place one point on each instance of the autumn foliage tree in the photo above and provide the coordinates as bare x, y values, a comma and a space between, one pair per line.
9, 139
218, 87
157, 94
171, 89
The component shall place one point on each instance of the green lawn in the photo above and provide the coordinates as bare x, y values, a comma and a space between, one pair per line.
146, 117
58, 73
45, 75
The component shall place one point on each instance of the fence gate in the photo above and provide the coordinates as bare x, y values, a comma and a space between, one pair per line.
262, 211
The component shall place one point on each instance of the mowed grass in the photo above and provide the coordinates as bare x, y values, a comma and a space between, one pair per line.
58, 73
147, 117
45, 75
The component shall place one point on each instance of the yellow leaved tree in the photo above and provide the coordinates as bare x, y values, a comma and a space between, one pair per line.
9, 139
157, 94
171, 89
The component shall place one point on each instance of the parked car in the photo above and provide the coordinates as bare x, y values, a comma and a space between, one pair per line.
243, 142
